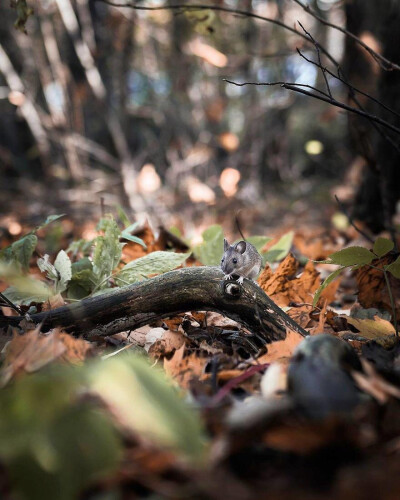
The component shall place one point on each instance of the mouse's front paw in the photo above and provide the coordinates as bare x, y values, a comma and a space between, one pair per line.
240, 280
227, 277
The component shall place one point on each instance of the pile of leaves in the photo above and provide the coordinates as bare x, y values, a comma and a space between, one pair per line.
194, 405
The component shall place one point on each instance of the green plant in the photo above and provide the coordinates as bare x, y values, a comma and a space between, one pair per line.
356, 257
210, 251
86, 267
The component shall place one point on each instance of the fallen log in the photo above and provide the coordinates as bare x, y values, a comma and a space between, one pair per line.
187, 289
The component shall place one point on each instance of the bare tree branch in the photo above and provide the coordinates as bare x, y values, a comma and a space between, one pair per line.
323, 97
381, 60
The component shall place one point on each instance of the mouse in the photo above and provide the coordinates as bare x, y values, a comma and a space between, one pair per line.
240, 259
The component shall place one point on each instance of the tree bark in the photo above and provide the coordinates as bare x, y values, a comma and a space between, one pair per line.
375, 202
188, 289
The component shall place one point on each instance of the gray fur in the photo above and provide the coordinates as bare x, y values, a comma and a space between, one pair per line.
241, 259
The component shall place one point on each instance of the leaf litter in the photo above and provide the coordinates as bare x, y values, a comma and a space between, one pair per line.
203, 388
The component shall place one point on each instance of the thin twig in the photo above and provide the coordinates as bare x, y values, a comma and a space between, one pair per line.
295, 87
8, 303
239, 12
322, 68
381, 60
348, 85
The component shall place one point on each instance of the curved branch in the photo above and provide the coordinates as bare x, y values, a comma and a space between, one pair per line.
381, 60
188, 289
323, 97
218, 8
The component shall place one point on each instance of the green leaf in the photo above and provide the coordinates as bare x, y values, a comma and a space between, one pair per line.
53, 443
382, 246
326, 282
80, 246
123, 217
210, 251
258, 241
351, 256
394, 268
81, 284
23, 13
148, 405
153, 263
80, 265
202, 20
49, 220
280, 250
23, 249
107, 251
23, 289
133, 239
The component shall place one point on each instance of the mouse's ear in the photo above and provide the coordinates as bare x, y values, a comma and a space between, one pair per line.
240, 247
226, 245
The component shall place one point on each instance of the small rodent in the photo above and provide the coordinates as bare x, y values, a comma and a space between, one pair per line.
241, 259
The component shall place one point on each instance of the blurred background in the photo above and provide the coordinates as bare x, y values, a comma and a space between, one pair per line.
103, 106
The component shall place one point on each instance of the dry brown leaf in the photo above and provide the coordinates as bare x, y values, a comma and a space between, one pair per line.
283, 287
132, 251
314, 245
170, 342
77, 350
301, 315
30, 352
281, 348
174, 323
53, 302
320, 327
185, 366
372, 289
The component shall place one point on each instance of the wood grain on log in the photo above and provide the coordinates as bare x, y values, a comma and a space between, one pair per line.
188, 289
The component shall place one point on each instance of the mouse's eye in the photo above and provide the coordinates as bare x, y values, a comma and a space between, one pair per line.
223, 260
234, 261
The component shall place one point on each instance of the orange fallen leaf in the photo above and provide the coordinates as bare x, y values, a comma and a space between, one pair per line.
281, 348
284, 287
185, 366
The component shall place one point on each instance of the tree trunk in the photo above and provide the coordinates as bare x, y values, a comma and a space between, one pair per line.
378, 24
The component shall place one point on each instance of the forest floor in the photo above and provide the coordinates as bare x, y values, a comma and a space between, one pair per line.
237, 418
